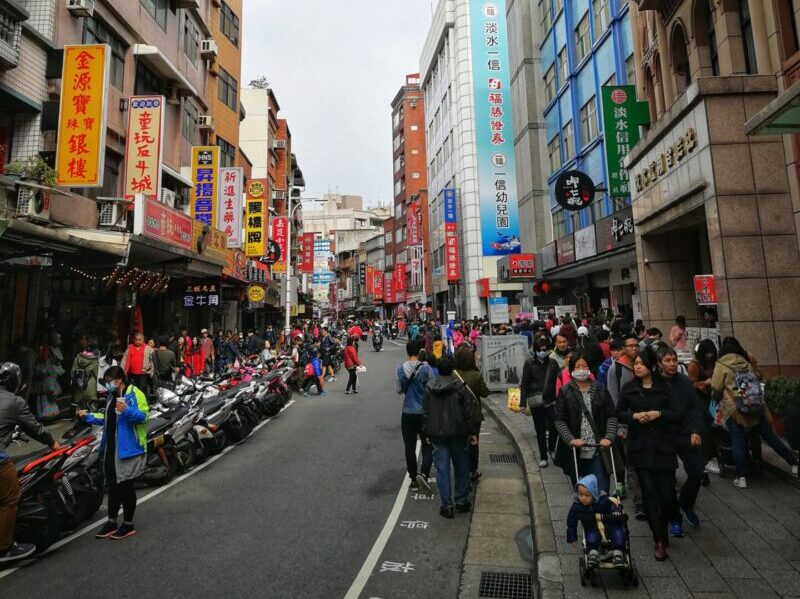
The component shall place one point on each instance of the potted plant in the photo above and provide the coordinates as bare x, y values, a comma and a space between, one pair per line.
34, 168
783, 399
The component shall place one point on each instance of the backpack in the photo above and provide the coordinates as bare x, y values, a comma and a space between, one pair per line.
79, 379
309, 369
747, 393
406, 385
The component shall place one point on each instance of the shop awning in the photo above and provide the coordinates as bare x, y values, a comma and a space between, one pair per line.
23, 234
607, 261
781, 116
171, 260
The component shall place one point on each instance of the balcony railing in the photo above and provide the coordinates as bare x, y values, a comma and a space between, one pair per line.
10, 35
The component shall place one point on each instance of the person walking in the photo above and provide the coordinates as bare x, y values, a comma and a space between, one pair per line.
531, 397
451, 427
677, 334
165, 363
466, 359
351, 362
313, 374
209, 350
557, 362
688, 437
124, 449
83, 376
137, 363
700, 370
195, 366
651, 411
14, 411
412, 376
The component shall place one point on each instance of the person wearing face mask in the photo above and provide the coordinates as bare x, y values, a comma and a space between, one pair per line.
531, 397
124, 449
584, 418
556, 363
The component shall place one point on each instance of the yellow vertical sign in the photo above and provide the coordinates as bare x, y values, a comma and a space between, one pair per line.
144, 145
205, 178
254, 229
80, 151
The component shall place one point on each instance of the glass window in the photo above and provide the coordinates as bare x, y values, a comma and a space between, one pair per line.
557, 6
569, 145
189, 113
549, 85
97, 32
559, 225
747, 37
229, 24
602, 16
589, 121
611, 80
630, 71
158, 10
147, 82
563, 68
227, 153
554, 154
227, 89
191, 39
582, 41
547, 17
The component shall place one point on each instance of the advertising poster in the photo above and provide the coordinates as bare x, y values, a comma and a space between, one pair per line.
205, 177
254, 238
143, 147
502, 359
622, 115
229, 219
280, 235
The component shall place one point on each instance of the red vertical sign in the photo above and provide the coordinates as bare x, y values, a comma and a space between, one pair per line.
307, 262
332, 294
377, 284
280, 235
705, 290
451, 258
370, 280
412, 222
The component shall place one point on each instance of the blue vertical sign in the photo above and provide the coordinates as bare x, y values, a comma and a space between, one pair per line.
497, 181
450, 218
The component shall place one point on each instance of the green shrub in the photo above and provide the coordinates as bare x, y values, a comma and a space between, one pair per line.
782, 392
34, 168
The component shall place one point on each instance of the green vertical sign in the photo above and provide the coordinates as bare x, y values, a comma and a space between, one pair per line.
622, 116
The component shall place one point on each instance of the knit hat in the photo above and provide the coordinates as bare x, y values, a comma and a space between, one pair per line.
589, 482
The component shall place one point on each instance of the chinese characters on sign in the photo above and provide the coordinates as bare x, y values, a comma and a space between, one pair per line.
377, 284
307, 262
452, 262
370, 282
412, 223
229, 218
522, 266
705, 290
254, 242
674, 155
388, 288
144, 147
400, 281
620, 228
280, 234
205, 177
158, 221
574, 190
622, 116
80, 149
495, 145
362, 277
450, 218
198, 296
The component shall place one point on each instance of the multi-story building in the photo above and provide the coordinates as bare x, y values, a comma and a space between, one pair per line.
410, 193
711, 197
223, 92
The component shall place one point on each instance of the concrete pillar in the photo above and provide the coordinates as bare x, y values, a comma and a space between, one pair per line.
637, 49
760, 37
666, 71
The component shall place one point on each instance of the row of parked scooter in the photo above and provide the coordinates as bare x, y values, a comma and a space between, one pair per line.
189, 421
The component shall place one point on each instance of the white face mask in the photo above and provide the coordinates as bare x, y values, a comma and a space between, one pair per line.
581, 374
542, 354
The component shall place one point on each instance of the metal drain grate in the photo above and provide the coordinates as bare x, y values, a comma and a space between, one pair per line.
503, 458
505, 585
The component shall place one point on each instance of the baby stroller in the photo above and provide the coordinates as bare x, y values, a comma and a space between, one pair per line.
591, 574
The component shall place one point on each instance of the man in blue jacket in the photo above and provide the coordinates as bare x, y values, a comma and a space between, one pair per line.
412, 377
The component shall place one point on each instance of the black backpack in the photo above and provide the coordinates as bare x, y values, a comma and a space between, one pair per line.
79, 379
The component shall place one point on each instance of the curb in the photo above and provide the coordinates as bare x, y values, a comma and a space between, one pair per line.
550, 582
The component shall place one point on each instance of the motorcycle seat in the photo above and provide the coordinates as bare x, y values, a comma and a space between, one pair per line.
157, 425
212, 404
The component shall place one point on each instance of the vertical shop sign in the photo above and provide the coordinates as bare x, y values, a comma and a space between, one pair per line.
144, 146
362, 277
705, 290
388, 289
400, 277
370, 283
499, 211
280, 235
377, 285
205, 178
254, 242
81, 145
622, 115
412, 225
307, 263
452, 262
229, 219
450, 214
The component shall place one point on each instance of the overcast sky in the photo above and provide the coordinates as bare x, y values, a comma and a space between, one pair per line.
335, 66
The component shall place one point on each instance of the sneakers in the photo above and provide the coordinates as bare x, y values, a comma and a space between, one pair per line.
126, 530
676, 529
618, 559
17, 551
543, 464
795, 470
463, 508
593, 559
692, 517
740, 482
414, 486
447, 512
323, 393
639, 513
422, 484
304, 393
348, 392
712, 466
109, 528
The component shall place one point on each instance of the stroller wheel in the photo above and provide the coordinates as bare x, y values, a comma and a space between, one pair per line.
595, 574
582, 571
633, 577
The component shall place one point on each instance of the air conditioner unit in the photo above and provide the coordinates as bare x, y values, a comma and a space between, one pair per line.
205, 121
33, 203
168, 197
208, 49
80, 8
111, 214
278, 195
279, 144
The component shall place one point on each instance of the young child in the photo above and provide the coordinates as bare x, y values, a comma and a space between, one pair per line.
588, 504
316, 377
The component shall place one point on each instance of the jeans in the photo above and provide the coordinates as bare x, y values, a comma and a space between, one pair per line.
593, 465
311, 381
615, 534
9, 499
693, 465
658, 497
352, 380
739, 443
445, 450
474, 453
411, 427
540, 421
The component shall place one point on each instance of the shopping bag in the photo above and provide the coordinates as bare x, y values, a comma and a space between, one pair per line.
513, 399
361, 368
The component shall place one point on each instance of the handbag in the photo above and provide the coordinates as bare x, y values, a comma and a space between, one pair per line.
536, 400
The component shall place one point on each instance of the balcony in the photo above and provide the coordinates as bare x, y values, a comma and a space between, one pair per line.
11, 17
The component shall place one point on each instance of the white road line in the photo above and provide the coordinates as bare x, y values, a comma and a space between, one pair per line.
396, 343
154, 493
380, 543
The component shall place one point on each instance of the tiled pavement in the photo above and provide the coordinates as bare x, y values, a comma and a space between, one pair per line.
748, 544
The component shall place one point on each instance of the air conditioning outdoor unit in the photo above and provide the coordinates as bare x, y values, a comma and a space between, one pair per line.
33, 203
205, 121
111, 214
208, 49
168, 197
280, 144
278, 195
80, 8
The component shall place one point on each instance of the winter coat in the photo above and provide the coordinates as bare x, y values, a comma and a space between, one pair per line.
14, 411
691, 410
413, 392
131, 424
587, 514
477, 385
650, 445
351, 357
619, 373
446, 411
90, 365
555, 365
722, 382
533, 373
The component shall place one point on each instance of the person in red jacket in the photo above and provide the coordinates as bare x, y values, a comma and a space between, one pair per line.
196, 361
351, 361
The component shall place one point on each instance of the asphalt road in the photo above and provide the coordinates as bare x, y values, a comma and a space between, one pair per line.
294, 511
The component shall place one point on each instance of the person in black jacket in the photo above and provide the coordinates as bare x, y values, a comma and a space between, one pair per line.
688, 438
557, 362
450, 426
531, 394
584, 415
649, 407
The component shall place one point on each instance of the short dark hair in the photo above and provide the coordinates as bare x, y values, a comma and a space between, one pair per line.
664, 351
627, 336
116, 373
349, 341
465, 357
681, 320
654, 331
616, 344
446, 365
413, 347
578, 354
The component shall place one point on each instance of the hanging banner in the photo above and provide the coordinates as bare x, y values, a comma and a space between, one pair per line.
362, 277
81, 143
307, 261
452, 263
370, 283
622, 116
499, 212
400, 277
229, 219
412, 225
144, 146
332, 294
450, 218
254, 238
388, 288
280, 235
205, 177
377, 285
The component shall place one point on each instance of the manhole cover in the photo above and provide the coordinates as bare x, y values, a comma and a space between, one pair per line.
505, 585
503, 458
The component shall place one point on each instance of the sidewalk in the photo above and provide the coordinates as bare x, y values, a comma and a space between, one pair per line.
748, 544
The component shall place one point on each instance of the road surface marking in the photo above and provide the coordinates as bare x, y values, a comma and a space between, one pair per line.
154, 493
380, 543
